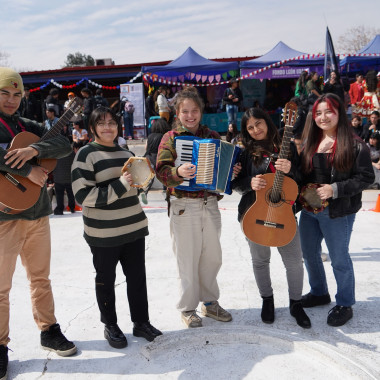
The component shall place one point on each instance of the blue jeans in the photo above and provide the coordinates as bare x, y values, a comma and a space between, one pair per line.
232, 112
337, 234
128, 124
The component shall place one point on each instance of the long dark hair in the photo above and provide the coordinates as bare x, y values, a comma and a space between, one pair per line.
371, 81
258, 148
303, 78
342, 157
234, 133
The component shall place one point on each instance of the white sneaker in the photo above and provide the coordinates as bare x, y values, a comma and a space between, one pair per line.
191, 319
216, 312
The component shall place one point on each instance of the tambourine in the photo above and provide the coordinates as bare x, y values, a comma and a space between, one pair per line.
141, 170
310, 199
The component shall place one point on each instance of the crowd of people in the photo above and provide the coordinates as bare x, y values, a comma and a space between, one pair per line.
328, 159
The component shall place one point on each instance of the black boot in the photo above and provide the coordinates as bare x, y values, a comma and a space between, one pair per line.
115, 336
267, 311
297, 311
145, 330
3, 361
54, 340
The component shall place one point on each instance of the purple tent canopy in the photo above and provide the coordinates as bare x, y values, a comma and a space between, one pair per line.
191, 62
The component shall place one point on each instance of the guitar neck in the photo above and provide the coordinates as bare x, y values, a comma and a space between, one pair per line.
56, 129
284, 152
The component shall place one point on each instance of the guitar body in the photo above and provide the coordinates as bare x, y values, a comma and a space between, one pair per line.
19, 193
268, 223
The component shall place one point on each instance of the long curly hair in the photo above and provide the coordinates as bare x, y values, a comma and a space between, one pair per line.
260, 148
371, 81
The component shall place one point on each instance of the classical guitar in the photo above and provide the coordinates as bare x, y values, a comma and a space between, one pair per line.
18, 193
270, 220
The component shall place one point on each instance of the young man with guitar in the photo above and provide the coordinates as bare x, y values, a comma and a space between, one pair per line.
267, 219
25, 229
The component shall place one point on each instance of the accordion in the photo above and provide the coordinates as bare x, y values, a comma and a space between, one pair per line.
214, 160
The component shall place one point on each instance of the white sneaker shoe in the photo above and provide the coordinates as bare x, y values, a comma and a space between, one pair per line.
191, 319
216, 312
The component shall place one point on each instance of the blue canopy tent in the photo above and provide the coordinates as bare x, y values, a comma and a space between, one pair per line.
190, 62
363, 63
281, 52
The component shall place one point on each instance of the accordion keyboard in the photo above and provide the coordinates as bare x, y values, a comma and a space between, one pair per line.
184, 150
206, 162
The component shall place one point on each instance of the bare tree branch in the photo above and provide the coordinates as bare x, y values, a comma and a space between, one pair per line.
355, 38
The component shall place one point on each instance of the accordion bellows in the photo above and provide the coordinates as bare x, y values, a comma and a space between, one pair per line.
214, 160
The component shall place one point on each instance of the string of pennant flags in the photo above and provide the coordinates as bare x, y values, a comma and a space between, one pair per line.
213, 80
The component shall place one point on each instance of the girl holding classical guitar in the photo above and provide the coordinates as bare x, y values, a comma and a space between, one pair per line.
335, 169
262, 143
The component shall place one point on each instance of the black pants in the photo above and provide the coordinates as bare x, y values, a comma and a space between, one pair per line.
132, 260
59, 193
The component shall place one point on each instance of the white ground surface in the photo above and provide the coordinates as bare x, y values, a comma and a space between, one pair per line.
242, 349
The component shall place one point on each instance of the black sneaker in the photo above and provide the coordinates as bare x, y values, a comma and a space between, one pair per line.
115, 336
3, 362
310, 300
339, 315
54, 340
297, 311
145, 330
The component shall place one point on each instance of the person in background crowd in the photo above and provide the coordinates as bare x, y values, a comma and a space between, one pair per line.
372, 125
374, 149
370, 101
334, 85
29, 107
80, 134
300, 91
149, 108
52, 101
312, 88
88, 105
51, 119
195, 222
27, 233
162, 104
115, 226
70, 97
62, 183
337, 165
356, 91
356, 123
158, 129
128, 118
232, 98
261, 141
99, 100
232, 132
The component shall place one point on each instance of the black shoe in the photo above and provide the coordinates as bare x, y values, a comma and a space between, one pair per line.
3, 362
72, 210
54, 340
58, 212
297, 311
310, 300
267, 311
339, 315
115, 336
145, 330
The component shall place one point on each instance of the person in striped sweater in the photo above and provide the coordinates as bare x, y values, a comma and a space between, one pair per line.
115, 225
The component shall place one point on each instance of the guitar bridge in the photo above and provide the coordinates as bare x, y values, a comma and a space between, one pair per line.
265, 223
14, 181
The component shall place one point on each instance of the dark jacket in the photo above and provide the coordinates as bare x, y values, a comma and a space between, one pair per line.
29, 108
99, 101
242, 183
348, 186
236, 94
336, 89
152, 145
55, 147
88, 105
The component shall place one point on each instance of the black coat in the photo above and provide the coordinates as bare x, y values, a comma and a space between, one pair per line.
349, 184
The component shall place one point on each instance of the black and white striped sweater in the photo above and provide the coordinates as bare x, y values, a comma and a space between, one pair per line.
112, 213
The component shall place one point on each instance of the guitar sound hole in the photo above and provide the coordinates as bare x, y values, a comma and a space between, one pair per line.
275, 198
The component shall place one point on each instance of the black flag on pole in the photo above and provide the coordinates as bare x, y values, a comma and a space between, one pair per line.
331, 61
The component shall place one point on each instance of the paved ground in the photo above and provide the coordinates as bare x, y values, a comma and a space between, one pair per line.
243, 348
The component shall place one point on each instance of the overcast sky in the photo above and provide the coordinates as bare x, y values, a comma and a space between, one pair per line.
38, 35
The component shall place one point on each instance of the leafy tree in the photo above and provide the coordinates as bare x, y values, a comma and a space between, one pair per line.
355, 38
79, 59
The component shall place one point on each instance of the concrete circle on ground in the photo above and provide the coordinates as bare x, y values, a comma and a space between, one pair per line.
242, 352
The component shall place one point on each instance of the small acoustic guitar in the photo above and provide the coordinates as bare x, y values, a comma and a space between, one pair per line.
18, 193
270, 220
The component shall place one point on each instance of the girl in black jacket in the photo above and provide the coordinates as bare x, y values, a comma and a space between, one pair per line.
335, 169
261, 141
